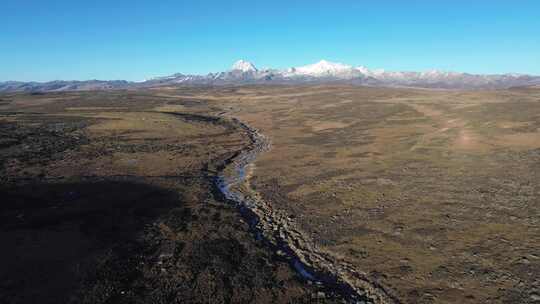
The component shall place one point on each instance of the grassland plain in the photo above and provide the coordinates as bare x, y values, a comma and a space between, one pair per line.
107, 199
432, 194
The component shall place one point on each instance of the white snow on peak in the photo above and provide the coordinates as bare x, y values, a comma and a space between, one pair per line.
323, 68
438, 73
244, 66
246, 72
362, 69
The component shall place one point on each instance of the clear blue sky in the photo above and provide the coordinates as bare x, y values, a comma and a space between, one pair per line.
116, 39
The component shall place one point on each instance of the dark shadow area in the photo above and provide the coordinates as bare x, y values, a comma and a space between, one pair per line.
57, 237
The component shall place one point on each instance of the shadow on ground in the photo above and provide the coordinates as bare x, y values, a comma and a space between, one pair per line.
58, 235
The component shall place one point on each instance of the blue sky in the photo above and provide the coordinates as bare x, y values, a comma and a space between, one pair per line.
133, 40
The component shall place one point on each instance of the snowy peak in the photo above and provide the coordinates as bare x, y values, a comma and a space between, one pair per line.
363, 70
244, 72
244, 66
438, 73
323, 68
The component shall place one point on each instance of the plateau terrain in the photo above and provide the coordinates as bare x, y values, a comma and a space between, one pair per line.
304, 193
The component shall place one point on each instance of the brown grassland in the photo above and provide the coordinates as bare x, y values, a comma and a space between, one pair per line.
434, 195
105, 199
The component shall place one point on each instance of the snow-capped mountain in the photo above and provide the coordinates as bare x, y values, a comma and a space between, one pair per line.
245, 72
244, 66
452, 80
324, 69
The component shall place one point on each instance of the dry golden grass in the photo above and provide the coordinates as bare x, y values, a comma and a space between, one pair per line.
116, 198
432, 193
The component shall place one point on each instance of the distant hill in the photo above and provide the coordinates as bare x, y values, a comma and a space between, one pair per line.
62, 85
244, 72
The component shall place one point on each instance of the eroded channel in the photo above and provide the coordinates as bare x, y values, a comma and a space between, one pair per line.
336, 278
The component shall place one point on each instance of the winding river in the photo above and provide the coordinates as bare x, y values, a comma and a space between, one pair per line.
280, 232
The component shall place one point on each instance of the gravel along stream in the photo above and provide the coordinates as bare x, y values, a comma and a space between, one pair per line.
335, 278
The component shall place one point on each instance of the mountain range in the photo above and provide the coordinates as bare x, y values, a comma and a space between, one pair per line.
244, 72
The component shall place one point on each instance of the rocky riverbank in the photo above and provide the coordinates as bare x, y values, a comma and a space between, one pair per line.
121, 207
338, 278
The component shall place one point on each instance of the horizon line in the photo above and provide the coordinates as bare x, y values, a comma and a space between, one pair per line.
270, 68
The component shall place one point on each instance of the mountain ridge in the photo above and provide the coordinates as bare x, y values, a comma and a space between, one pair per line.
323, 71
